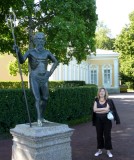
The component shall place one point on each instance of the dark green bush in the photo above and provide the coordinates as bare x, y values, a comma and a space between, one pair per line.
12, 85
61, 84
52, 84
64, 105
72, 103
12, 108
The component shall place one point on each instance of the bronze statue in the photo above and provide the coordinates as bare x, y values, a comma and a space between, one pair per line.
38, 61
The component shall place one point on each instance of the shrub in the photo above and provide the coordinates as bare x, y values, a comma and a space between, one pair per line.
64, 105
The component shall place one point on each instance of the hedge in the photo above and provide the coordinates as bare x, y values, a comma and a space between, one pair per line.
64, 104
52, 84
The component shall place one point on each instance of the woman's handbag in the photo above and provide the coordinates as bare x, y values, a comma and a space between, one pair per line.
110, 115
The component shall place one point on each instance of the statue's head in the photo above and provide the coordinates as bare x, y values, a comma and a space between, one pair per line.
39, 39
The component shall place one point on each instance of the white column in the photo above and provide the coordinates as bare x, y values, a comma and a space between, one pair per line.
60, 72
97, 75
86, 74
77, 72
65, 72
80, 72
116, 73
70, 71
74, 78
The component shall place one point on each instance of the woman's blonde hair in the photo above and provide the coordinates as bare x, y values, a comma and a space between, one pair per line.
106, 93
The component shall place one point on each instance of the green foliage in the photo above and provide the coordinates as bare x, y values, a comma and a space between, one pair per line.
130, 85
123, 88
12, 108
64, 84
103, 39
6, 40
52, 84
67, 24
14, 69
12, 85
64, 105
124, 45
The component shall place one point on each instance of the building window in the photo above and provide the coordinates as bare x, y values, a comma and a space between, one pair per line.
93, 74
107, 75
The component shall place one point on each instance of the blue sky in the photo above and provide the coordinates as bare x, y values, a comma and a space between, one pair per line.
114, 13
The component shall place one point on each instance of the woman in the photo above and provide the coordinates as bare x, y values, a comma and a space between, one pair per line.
102, 106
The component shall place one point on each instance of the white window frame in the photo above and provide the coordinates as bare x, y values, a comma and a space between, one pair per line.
107, 67
94, 68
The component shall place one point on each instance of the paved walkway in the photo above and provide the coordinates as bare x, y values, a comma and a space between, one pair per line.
84, 137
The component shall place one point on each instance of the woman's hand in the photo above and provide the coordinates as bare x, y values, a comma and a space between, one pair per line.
101, 110
107, 108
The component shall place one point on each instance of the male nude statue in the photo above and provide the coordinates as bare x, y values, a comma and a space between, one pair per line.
38, 61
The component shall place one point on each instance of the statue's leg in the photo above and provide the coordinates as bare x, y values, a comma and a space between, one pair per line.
44, 99
36, 93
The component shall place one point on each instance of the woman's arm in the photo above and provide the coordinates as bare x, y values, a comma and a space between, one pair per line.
100, 110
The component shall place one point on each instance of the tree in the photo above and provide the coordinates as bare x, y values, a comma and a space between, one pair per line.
124, 44
5, 36
69, 26
103, 37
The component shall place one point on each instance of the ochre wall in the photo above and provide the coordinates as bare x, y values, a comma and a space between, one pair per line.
4, 69
100, 62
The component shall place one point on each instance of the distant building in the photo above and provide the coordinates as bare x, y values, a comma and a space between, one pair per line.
101, 69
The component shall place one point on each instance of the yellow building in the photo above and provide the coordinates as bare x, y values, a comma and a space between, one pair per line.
101, 69
104, 70
4, 69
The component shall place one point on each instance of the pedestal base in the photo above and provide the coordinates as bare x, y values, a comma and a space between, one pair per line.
50, 142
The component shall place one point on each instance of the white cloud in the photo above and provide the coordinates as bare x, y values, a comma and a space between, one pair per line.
114, 13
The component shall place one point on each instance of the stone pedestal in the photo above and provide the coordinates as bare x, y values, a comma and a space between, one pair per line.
50, 142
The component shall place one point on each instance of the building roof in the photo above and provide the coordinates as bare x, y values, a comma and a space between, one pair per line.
100, 53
